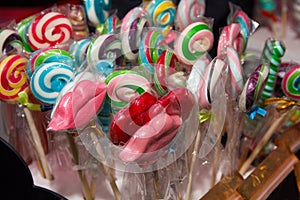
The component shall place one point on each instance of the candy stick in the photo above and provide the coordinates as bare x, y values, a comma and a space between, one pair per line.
275, 126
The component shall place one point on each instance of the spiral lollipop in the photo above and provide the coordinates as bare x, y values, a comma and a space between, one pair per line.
48, 55
22, 28
188, 11
13, 77
49, 79
97, 11
291, 83
78, 50
162, 14
151, 46
132, 28
10, 42
194, 41
272, 53
104, 47
48, 30
125, 85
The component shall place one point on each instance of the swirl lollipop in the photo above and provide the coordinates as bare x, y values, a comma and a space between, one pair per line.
162, 14
10, 42
291, 83
112, 25
132, 28
49, 29
97, 11
188, 11
78, 50
13, 77
194, 41
125, 85
272, 53
49, 79
22, 28
48, 55
105, 47
151, 46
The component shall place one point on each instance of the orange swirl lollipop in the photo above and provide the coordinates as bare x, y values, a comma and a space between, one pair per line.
13, 77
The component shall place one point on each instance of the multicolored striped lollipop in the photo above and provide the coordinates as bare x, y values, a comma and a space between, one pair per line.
291, 83
10, 42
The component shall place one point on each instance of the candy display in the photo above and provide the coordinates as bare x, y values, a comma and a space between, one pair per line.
291, 83
151, 46
188, 11
13, 77
162, 14
10, 42
97, 11
49, 29
193, 42
49, 79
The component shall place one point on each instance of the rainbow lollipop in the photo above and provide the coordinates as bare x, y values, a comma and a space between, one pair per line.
291, 83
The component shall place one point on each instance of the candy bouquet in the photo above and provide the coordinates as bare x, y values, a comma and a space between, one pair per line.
139, 99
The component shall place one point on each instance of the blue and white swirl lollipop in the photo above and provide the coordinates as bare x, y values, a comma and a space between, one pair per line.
97, 11
49, 79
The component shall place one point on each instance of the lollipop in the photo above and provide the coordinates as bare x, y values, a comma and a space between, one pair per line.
188, 11
235, 69
208, 82
49, 79
125, 85
194, 41
112, 25
291, 83
162, 14
97, 11
49, 29
48, 55
13, 77
253, 88
230, 36
151, 47
77, 107
78, 50
23, 27
104, 47
78, 21
166, 65
10, 42
272, 53
132, 28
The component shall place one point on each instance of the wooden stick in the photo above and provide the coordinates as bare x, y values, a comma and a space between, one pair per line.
38, 144
192, 166
262, 143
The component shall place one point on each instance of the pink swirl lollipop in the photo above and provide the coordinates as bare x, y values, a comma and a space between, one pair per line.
188, 11
230, 36
194, 41
13, 77
132, 28
291, 83
235, 69
208, 82
49, 29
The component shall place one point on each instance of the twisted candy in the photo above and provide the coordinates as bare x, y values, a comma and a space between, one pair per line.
13, 77
97, 11
188, 11
49, 29
132, 28
162, 14
10, 42
272, 53
194, 41
291, 83
49, 79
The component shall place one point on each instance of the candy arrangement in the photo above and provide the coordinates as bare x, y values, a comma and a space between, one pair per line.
142, 94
